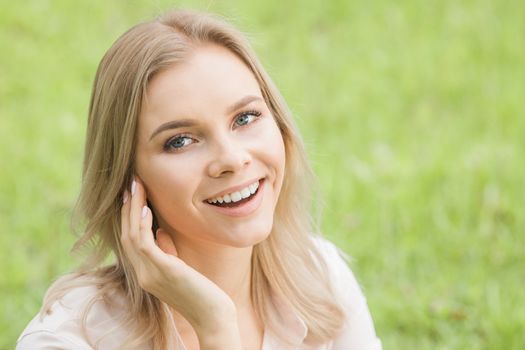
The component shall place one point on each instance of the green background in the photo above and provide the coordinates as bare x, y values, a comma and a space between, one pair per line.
412, 112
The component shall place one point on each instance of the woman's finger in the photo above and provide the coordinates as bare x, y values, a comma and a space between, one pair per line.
137, 201
124, 223
124, 213
146, 240
141, 220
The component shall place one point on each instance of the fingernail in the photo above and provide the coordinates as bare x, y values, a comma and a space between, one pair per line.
144, 211
133, 187
125, 197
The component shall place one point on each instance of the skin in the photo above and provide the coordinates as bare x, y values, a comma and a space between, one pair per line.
201, 261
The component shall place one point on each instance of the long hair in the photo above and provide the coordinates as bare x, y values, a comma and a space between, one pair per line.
287, 263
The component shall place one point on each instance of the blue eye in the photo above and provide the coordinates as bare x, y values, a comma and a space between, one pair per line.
246, 118
178, 142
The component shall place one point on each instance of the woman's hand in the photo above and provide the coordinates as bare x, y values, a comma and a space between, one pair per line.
160, 272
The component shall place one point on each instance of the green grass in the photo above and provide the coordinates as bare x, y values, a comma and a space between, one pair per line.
412, 114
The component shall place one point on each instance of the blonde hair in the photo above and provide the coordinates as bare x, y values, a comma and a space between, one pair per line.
286, 263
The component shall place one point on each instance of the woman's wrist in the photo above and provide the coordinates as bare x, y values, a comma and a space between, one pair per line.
211, 317
227, 339
219, 334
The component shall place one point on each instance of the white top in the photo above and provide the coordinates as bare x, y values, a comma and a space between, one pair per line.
61, 328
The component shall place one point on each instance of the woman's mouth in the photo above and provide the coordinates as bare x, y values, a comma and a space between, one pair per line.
236, 198
241, 202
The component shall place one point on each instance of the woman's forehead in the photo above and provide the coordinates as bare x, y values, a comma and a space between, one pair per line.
210, 77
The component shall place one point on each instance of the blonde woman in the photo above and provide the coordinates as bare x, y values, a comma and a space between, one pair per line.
196, 183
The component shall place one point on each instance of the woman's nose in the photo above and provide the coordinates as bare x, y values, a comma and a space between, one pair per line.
228, 156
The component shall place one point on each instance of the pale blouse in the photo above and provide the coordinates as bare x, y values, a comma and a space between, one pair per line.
61, 328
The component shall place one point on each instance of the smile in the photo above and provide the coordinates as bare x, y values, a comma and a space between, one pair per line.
236, 196
239, 203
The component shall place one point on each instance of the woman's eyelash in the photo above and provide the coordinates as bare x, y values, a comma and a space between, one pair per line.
169, 145
254, 112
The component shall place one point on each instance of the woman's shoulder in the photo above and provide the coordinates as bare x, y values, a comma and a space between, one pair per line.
77, 315
335, 259
342, 277
358, 331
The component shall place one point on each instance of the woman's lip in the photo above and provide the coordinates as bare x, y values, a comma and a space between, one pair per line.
233, 189
246, 208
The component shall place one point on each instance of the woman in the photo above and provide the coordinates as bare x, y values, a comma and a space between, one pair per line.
196, 182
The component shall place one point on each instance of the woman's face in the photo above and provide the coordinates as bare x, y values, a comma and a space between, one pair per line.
204, 133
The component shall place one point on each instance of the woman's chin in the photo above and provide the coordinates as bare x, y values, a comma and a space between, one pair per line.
251, 240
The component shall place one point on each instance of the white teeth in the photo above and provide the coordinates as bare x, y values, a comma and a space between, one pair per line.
254, 187
236, 196
245, 193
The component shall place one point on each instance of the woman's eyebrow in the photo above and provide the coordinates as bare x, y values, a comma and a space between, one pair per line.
242, 102
174, 124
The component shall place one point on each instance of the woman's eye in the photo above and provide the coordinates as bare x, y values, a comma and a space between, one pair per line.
246, 118
178, 142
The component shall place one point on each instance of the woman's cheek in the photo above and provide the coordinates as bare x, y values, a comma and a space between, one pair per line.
170, 181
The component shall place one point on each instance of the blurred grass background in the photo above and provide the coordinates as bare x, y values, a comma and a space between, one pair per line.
413, 116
